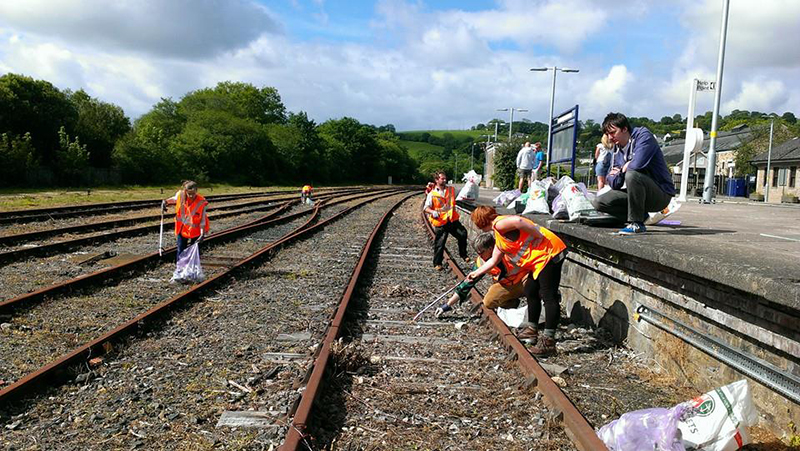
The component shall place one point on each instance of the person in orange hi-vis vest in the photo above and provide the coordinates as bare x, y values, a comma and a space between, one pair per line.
191, 220
520, 243
305, 193
440, 205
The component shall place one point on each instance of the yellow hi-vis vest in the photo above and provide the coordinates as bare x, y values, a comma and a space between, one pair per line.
445, 205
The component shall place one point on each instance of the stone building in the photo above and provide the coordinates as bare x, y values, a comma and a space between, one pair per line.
784, 172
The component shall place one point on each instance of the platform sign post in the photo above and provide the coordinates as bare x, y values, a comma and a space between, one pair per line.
564, 139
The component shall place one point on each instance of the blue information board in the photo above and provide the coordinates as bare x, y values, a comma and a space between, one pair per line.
564, 139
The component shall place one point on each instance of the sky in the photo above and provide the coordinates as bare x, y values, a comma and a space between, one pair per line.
414, 64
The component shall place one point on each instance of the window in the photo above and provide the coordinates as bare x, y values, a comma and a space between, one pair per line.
792, 176
782, 176
774, 177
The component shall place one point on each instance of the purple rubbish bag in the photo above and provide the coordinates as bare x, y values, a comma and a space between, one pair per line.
647, 429
188, 269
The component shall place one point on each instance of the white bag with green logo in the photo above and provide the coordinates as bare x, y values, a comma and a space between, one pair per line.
719, 419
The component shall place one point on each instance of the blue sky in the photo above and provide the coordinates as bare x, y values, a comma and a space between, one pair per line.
415, 64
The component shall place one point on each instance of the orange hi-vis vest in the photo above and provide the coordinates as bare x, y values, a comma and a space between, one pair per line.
445, 205
525, 252
306, 189
190, 216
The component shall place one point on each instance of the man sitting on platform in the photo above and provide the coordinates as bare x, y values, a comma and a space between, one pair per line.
639, 178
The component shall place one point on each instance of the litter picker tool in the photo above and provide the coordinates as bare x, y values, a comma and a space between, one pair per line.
436, 300
161, 231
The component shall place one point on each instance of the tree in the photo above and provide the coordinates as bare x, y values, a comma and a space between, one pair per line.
99, 127
359, 145
242, 100
789, 118
505, 164
18, 156
36, 107
72, 158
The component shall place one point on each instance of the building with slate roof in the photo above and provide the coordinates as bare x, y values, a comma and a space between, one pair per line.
784, 171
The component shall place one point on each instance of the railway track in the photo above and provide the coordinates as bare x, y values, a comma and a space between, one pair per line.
40, 348
266, 353
58, 273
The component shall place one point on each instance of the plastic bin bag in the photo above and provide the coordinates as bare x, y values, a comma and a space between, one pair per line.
470, 191
537, 198
188, 269
506, 197
647, 429
719, 419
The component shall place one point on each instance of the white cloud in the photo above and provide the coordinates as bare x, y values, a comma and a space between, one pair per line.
609, 93
174, 28
758, 95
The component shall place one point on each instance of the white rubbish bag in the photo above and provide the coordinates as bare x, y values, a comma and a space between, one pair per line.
537, 198
513, 317
577, 201
469, 192
506, 197
188, 269
719, 419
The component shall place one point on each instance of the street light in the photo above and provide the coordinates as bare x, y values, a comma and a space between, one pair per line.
552, 103
496, 123
511, 123
769, 160
711, 160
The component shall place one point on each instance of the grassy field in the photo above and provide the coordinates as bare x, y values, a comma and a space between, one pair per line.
422, 151
475, 134
31, 198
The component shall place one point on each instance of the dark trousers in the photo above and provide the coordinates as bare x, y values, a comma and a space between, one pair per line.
452, 228
641, 195
545, 289
183, 243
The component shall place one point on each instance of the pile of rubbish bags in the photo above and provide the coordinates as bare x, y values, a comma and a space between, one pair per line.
562, 199
715, 421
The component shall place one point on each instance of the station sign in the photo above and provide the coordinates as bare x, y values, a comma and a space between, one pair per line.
703, 85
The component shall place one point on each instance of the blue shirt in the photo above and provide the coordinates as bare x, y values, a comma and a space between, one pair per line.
645, 156
539, 158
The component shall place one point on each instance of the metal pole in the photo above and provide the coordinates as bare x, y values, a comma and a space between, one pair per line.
708, 185
495, 130
472, 158
550, 119
767, 181
687, 155
511, 124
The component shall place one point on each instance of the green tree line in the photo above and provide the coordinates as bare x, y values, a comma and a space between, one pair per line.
233, 133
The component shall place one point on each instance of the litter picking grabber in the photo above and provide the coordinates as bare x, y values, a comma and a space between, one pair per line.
161, 232
436, 300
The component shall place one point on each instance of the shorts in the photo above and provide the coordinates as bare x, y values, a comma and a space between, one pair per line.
601, 170
525, 172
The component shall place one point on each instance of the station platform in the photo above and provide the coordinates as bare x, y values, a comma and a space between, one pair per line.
711, 299
752, 246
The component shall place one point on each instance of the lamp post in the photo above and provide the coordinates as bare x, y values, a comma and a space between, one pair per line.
472, 157
511, 122
711, 160
769, 160
552, 103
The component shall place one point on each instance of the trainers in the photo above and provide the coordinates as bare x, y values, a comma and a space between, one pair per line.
633, 228
656, 217
442, 310
528, 335
467, 260
545, 346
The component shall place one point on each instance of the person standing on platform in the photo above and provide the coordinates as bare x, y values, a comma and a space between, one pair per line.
525, 164
602, 155
440, 205
191, 220
538, 160
537, 252
305, 194
639, 178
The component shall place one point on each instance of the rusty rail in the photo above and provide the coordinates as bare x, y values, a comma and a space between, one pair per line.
575, 424
296, 434
36, 380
